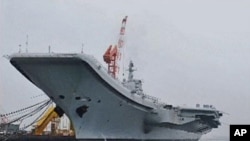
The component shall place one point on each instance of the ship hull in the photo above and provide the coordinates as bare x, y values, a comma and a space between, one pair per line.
99, 108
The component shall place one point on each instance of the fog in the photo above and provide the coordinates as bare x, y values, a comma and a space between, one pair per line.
186, 51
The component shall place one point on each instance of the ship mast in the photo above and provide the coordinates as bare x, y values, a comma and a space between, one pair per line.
113, 54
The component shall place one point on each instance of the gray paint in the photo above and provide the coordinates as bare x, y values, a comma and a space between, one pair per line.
110, 109
200, 49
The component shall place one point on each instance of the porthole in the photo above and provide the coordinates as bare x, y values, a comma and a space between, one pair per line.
77, 98
61, 96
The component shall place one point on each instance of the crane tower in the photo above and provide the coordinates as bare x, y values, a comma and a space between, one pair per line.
113, 53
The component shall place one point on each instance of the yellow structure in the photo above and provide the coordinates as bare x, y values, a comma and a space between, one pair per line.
52, 115
49, 116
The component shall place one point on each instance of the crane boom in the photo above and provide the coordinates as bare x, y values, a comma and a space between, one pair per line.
51, 114
122, 33
42, 124
113, 54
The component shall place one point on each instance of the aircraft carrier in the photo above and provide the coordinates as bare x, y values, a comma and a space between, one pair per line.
103, 108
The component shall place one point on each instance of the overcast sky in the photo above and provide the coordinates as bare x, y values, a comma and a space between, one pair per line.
186, 51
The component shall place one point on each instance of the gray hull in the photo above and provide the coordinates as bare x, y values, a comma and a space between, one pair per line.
100, 107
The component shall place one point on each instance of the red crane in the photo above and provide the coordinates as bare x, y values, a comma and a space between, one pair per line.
113, 54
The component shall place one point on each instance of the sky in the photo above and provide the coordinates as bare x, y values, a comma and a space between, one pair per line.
185, 51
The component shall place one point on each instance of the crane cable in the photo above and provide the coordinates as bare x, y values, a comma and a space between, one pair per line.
33, 112
39, 117
21, 110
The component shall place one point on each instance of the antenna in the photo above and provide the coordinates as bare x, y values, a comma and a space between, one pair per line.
82, 48
27, 42
49, 48
20, 50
